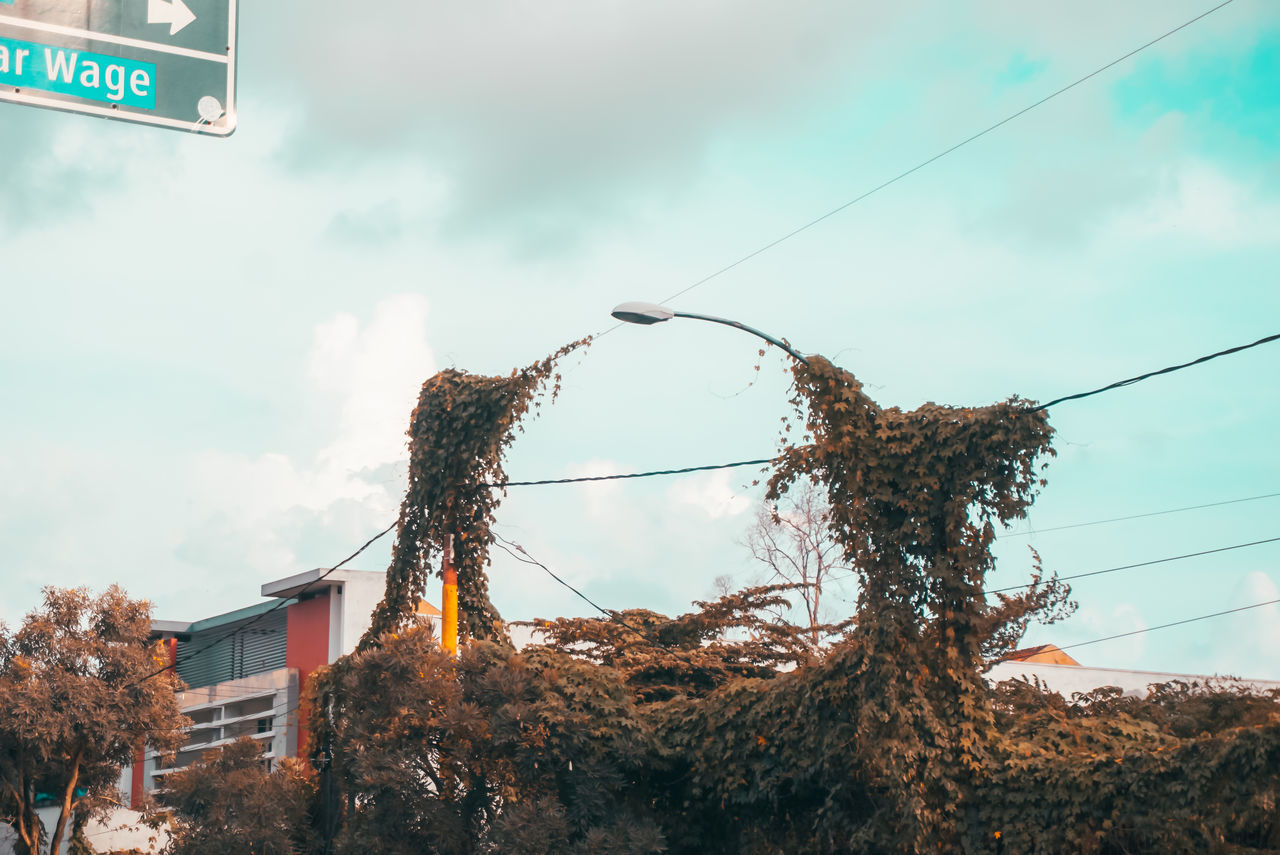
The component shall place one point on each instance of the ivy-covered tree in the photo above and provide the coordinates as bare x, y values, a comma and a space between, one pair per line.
80, 693
660, 658
723, 731
915, 497
458, 432
1188, 768
495, 751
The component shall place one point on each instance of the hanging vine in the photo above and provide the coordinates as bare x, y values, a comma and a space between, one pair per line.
914, 495
635, 733
458, 433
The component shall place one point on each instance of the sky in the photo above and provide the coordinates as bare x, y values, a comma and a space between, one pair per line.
209, 348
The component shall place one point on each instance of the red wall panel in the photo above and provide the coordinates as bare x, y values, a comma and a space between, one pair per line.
307, 646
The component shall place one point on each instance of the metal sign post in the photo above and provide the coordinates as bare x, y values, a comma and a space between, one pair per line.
170, 63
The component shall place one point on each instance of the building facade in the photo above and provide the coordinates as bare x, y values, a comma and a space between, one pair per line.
1049, 666
246, 670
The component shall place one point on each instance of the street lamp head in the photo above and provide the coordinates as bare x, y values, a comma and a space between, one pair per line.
642, 313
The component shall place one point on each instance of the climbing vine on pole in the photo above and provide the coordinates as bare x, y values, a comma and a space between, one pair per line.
458, 433
914, 495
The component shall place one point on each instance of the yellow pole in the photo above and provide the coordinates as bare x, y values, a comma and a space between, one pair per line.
449, 601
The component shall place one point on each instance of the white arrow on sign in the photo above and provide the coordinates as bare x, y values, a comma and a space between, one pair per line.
172, 12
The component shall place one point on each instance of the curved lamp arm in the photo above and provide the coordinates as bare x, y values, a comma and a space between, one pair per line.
652, 313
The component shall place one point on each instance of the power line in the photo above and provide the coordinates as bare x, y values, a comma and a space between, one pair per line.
503, 543
274, 712
587, 478
283, 602
844, 576
243, 682
530, 560
1116, 385
1141, 516
1167, 625
187, 657
938, 156
750, 256
1172, 368
614, 616
609, 613
1140, 564
759, 461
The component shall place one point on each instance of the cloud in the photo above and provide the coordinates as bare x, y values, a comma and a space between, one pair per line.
710, 493
551, 110
1093, 622
656, 68
597, 495
59, 167
379, 224
272, 512
1248, 645
647, 543
371, 376
55, 501
1073, 182
1199, 202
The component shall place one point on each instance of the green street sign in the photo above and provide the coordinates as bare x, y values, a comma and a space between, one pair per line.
170, 63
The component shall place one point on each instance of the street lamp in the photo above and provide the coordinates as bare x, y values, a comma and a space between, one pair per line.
651, 313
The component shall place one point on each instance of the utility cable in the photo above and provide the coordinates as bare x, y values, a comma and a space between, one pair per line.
241, 683
503, 543
609, 613
1139, 564
613, 615
276, 712
187, 657
849, 575
284, 601
1167, 625
588, 478
939, 156
1116, 385
1031, 532
1172, 368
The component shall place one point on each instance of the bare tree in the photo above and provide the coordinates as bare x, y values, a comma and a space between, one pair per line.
793, 541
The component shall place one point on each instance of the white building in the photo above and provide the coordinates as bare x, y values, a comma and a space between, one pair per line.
1059, 673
